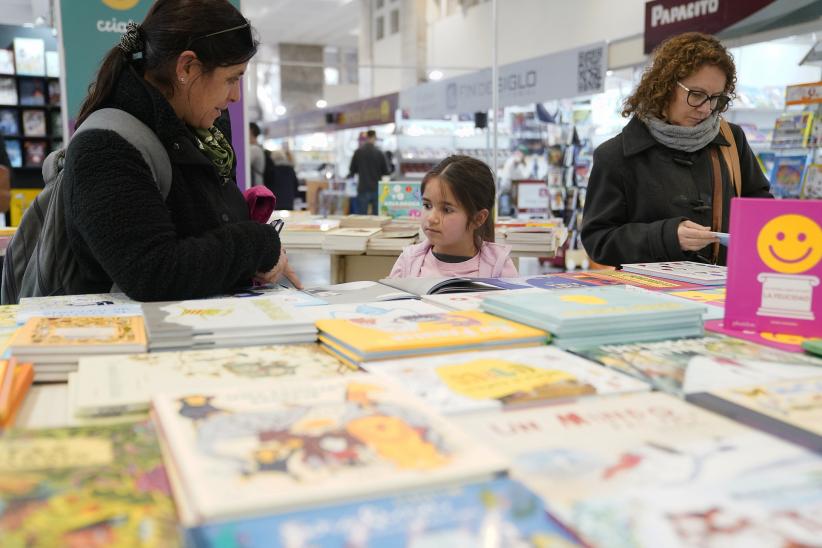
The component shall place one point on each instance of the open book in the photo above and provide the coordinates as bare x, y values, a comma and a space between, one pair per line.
431, 286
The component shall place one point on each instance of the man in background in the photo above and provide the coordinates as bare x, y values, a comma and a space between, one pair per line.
369, 163
256, 155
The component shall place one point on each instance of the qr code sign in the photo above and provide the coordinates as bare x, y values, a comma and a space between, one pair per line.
590, 70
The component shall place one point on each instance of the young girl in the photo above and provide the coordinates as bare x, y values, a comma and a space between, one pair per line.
457, 199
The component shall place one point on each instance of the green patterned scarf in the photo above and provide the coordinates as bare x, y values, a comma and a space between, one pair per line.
214, 144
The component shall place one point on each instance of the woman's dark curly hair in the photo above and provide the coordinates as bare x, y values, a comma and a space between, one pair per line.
674, 59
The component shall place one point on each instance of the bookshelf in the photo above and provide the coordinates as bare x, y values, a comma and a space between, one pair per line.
30, 98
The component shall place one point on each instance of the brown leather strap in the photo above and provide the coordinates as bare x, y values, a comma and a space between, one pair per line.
731, 156
716, 203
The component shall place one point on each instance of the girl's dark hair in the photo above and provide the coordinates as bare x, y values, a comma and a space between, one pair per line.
170, 28
472, 184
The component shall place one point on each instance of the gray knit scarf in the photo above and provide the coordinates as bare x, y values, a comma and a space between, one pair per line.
687, 139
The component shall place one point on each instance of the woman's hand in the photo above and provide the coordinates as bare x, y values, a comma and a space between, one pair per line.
693, 237
282, 268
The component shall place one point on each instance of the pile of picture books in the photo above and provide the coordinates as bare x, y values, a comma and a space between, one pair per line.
225, 322
593, 316
378, 338
54, 345
294, 444
348, 240
306, 232
395, 236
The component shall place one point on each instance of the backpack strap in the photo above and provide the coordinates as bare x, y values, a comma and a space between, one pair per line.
140, 136
731, 156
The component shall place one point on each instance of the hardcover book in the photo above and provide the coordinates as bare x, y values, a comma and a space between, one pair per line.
9, 122
32, 92
34, 153
292, 444
34, 123
775, 265
30, 56
683, 271
432, 286
497, 379
786, 175
8, 91
84, 486
80, 335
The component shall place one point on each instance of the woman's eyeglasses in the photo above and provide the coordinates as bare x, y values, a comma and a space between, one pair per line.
696, 99
245, 26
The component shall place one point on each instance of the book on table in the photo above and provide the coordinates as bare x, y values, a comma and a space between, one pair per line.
295, 444
357, 292
683, 271
432, 286
466, 382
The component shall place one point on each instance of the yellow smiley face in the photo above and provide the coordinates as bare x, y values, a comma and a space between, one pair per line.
121, 4
790, 244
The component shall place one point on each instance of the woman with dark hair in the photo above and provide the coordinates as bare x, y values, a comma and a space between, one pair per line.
176, 72
652, 194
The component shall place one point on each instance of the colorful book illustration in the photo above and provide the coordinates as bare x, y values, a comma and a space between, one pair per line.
683, 271
365, 339
644, 446
92, 304
83, 486
786, 175
81, 335
470, 300
382, 311
783, 341
124, 384
30, 56
664, 363
497, 379
621, 277
775, 267
292, 444
812, 182
34, 123
790, 409
357, 292
9, 123
501, 512
705, 374
713, 296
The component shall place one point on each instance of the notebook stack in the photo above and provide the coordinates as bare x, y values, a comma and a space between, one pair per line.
348, 240
394, 237
592, 316
54, 345
295, 444
380, 338
227, 322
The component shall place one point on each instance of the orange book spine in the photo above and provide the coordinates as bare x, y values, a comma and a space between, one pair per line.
23, 377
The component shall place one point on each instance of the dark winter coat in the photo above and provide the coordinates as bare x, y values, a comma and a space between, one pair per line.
369, 163
199, 242
640, 190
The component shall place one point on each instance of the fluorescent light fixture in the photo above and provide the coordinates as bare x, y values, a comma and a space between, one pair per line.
435, 75
321, 103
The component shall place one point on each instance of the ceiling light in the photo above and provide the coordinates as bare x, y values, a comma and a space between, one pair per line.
280, 110
435, 75
321, 103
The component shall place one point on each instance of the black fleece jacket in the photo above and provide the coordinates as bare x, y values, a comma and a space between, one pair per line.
199, 242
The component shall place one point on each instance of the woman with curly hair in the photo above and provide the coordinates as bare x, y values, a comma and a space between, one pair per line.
651, 193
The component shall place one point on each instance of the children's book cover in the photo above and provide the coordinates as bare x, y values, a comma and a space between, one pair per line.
75, 334
812, 182
292, 444
497, 379
705, 374
602, 447
92, 304
790, 408
684, 271
374, 336
665, 363
384, 311
714, 296
782, 341
786, 175
102, 486
357, 292
470, 300
122, 384
501, 512
617, 277
774, 267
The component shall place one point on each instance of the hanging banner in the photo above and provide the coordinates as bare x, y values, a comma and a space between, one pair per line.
373, 111
87, 30
724, 18
561, 75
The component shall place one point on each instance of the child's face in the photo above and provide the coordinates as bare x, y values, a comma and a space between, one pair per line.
445, 221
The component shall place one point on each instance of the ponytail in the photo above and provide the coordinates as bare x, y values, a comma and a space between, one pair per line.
102, 87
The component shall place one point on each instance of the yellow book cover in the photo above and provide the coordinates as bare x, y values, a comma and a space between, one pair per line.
48, 335
372, 338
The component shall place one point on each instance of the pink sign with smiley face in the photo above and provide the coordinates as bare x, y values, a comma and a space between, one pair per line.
775, 266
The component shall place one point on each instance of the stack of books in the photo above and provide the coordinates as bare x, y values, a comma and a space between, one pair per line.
592, 316
364, 221
348, 240
394, 237
306, 233
54, 345
531, 236
683, 271
93, 304
294, 444
227, 322
124, 384
358, 340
